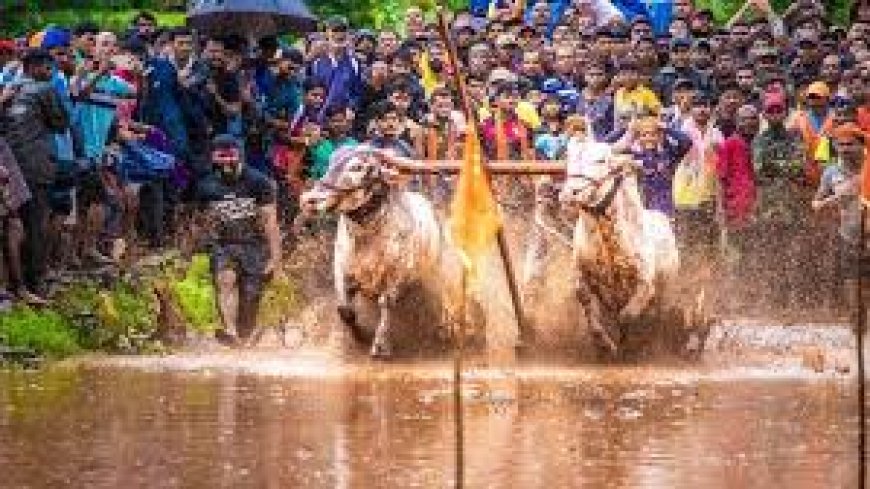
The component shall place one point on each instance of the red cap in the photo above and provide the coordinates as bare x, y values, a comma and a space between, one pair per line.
8, 46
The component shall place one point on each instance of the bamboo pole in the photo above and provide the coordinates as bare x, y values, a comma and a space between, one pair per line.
458, 421
472, 119
861, 321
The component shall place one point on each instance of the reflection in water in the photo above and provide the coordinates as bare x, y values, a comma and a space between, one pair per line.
108, 428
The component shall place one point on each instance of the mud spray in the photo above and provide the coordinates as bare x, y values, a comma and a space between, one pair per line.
770, 274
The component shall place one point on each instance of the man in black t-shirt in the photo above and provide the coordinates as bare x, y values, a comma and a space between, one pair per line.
245, 240
221, 89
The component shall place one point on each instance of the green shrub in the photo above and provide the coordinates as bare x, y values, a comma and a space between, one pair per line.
44, 331
118, 319
195, 295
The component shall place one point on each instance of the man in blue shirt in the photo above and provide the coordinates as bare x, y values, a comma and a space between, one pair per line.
164, 103
98, 93
339, 69
285, 95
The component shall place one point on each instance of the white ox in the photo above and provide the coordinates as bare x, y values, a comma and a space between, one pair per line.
626, 256
387, 238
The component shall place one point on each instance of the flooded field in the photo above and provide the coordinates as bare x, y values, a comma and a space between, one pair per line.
297, 419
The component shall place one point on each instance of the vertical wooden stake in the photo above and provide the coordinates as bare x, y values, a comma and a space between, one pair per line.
458, 424
861, 321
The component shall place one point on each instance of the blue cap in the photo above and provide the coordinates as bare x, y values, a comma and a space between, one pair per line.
570, 99
681, 42
641, 19
55, 38
552, 85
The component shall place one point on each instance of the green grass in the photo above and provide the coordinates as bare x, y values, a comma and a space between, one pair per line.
45, 332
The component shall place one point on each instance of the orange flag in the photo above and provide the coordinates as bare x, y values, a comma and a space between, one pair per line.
474, 216
865, 181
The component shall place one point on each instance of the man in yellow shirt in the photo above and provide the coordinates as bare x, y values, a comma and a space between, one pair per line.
525, 110
632, 97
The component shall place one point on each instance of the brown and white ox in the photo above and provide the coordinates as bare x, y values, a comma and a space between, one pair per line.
553, 223
387, 238
626, 256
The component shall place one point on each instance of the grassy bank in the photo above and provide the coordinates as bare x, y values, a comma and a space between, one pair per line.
149, 310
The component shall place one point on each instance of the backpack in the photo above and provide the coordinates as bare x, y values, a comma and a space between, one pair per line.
140, 163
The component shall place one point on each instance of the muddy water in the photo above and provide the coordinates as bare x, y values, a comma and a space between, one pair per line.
205, 425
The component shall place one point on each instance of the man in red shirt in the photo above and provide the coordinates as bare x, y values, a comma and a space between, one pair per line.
737, 190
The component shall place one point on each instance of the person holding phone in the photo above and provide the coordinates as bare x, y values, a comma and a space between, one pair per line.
98, 93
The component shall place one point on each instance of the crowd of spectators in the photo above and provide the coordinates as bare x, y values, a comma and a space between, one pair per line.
104, 136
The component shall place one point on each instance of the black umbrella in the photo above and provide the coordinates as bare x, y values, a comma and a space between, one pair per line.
250, 18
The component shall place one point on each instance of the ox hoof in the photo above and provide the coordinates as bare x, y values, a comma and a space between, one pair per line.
604, 343
629, 315
381, 350
604, 346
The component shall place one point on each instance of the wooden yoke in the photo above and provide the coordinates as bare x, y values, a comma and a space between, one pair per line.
503, 167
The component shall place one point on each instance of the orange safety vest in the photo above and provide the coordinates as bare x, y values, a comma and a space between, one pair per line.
811, 138
864, 118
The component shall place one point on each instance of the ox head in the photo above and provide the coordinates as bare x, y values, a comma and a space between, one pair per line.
547, 193
594, 177
353, 177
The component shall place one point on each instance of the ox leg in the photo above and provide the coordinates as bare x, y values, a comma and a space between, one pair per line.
638, 302
381, 347
603, 340
347, 313
699, 323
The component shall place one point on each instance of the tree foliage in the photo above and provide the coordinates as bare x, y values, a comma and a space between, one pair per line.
379, 14
838, 10
18, 16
